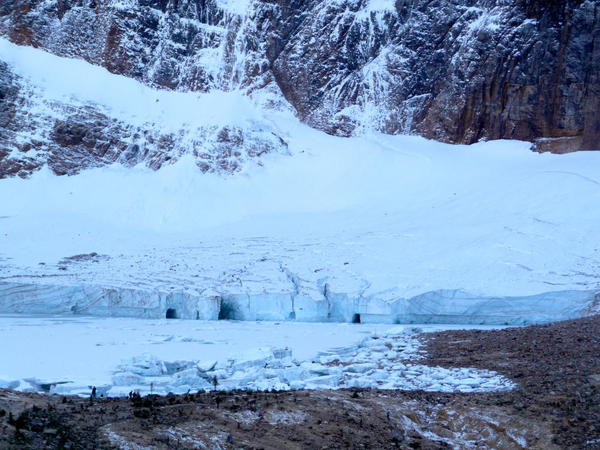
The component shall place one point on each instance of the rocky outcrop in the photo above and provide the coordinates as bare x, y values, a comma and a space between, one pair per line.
16, 157
71, 136
458, 71
192, 44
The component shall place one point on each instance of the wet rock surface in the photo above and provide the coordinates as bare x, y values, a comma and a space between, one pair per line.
554, 406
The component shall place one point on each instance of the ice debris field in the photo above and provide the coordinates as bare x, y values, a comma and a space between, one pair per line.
66, 355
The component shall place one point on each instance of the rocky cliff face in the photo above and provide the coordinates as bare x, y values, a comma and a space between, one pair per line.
457, 71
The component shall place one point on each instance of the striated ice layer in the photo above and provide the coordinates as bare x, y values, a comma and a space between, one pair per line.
438, 307
110, 302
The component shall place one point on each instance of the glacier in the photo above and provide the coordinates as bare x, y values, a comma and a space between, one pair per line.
376, 228
277, 259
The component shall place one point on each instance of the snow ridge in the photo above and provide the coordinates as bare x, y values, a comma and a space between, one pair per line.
112, 118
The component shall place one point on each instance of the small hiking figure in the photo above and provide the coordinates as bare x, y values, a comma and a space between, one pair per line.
215, 382
93, 391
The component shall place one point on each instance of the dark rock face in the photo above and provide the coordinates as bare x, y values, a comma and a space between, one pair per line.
190, 44
8, 96
457, 71
12, 104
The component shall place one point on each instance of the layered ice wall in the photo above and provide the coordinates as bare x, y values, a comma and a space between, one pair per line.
103, 301
438, 307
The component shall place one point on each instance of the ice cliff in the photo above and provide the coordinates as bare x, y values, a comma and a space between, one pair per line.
438, 307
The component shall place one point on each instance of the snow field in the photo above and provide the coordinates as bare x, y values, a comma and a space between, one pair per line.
391, 222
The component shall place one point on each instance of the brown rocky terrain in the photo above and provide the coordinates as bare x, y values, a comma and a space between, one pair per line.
556, 405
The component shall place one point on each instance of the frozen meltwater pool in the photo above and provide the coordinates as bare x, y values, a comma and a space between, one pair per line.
70, 354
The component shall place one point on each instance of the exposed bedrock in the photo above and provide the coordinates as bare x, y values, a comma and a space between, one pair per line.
457, 71
442, 306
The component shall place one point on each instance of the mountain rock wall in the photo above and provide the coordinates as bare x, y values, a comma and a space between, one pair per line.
457, 71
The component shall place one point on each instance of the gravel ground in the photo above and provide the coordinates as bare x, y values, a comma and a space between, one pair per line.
556, 405
556, 367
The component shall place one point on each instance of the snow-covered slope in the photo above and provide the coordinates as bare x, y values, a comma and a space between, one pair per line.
72, 115
388, 227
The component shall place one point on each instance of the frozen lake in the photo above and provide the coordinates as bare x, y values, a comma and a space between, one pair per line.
89, 350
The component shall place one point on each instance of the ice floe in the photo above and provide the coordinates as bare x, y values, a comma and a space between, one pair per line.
389, 361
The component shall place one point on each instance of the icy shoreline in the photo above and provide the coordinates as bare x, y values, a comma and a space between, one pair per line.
436, 307
68, 355
375, 362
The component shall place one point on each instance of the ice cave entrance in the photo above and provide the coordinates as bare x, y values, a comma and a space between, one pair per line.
171, 313
356, 318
